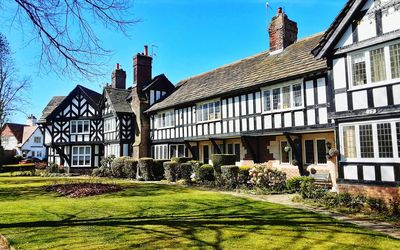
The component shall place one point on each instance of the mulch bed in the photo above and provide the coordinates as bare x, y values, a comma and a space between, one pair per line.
77, 190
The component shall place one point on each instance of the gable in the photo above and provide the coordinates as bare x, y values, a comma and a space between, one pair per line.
361, 21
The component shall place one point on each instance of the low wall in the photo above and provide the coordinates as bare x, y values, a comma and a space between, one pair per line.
376, 191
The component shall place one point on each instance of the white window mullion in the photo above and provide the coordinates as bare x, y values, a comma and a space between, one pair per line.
394, 139
387, 63
357, 137
375, 140
368, 67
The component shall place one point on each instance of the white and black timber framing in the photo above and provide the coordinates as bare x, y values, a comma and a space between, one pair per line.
362, 28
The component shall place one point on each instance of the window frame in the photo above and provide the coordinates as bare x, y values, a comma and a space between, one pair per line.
203, 109
160, 152
39, 141
167, 117
388, 71
113, 123
376, 158
281, 87
81, 155
176, 150
75, 123
315, 151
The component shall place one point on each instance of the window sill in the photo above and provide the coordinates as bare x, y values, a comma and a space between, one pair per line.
374, 85
282, 110
215, 120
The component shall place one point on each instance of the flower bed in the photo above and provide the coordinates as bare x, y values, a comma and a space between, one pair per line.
77, 190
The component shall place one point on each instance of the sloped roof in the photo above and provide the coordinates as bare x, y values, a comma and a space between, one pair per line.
93, 96
28, 131
338, 26
15, 129
295, 61
117, 99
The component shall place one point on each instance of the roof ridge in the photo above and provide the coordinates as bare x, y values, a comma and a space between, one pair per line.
246, 58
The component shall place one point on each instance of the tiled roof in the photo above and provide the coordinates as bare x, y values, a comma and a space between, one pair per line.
14, 129
54, 102
262, 69
28, 131
117, 99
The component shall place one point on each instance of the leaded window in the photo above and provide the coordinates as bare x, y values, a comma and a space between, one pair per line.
366, 141
286, 97
81, 156
395, 60
309, 151
297, 95
349, 142
209, 111
80, 127
359, 69
276, 97
267, 100
378, 68
385, 140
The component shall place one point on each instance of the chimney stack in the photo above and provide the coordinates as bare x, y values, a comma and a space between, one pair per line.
31, 121
118, 78
142, 67
282, 32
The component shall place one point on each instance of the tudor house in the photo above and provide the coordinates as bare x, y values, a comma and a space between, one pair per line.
362, 48
271, 107
84, 126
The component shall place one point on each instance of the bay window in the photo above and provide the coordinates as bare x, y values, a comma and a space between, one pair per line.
81, 156
376, 141
377, 65
209, 111
80, 127
282, 98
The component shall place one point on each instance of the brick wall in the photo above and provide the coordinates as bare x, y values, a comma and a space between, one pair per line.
381, 192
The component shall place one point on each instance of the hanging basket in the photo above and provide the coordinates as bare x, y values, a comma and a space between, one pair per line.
333, 152
287, 149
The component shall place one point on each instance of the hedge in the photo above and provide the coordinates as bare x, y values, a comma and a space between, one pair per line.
170, 170
244, 175
220, 160
158, 169
206, 173
195, 168
130, 167
230, 176
181, 159
185, 171
17, 167
145, 169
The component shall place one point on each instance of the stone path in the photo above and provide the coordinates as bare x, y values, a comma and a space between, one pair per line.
286, 199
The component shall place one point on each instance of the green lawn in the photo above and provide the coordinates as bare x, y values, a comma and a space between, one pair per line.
152, 216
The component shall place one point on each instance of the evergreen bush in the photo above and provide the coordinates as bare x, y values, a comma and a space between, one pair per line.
145, 169
206, 173
220, 160
185, 171
170, 171
230, 176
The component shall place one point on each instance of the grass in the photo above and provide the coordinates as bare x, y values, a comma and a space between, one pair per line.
153, 216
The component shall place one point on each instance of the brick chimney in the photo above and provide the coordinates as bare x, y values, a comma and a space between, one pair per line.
31, 120
118, 78
142, 69
282, 32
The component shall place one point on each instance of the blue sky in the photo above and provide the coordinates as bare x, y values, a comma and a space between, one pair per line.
191, 37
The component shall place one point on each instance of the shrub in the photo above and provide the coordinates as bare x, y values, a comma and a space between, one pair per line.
330, 200
130, 167
394, 206
145, 169
206, 173
195, 168
376, 205
105, 167
268, 178
230, 176
117, 167
18, 167
181, 159
170, 169
2, 157
244, 175
309, 190
185, 171
158, 169
220, 160
294, 184
53, 168
40, 165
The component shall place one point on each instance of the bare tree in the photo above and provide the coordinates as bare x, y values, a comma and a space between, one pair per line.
66, 30
11, 88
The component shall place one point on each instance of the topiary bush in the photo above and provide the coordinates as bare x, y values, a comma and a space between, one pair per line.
181, 159
170, 171
195, 168
117, 167
206, 173
105, 167
220, 160
185, 171
230, 176
294, 184
158, 169
130, 168
145, 169
268, 178
244, 175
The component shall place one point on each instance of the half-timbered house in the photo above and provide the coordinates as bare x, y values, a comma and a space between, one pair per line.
73, 129
271, 107
362, 48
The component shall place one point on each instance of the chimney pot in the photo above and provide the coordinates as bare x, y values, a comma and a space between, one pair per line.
117, 67
146, 50
118, 78
279, 10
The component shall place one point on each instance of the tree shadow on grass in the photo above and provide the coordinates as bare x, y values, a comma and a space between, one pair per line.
237, 215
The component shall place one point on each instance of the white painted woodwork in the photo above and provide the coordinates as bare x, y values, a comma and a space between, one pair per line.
360, 100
